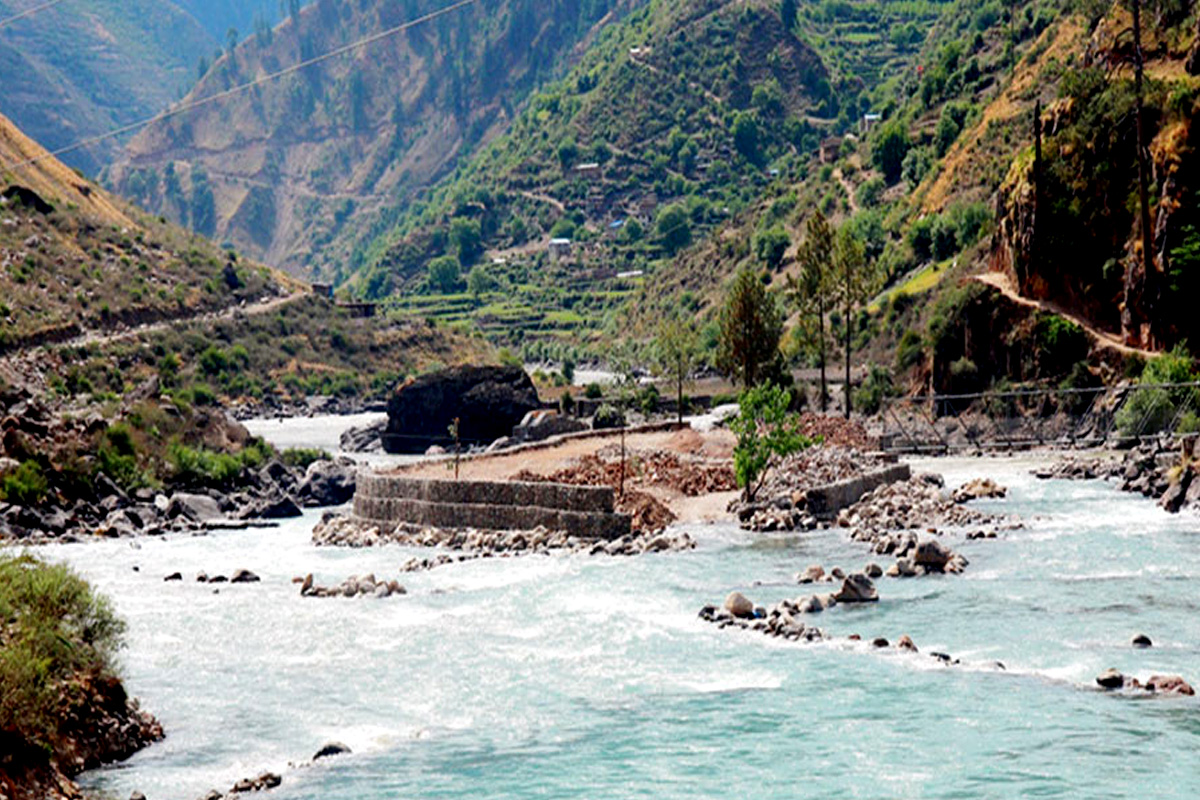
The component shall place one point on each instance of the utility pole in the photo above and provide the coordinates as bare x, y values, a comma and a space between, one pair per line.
1150, 282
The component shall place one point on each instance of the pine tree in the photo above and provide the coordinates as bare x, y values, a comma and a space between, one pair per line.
813, 292
787, 12
750, 329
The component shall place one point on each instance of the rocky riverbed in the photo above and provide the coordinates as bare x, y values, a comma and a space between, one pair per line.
345, 531
274, 492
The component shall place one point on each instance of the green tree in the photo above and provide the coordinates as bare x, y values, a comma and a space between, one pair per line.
771, 245
890, 148
813, 292
479, 282
444, 272
787, 13
675, 228
466, 237
746, 137
676, 351
856, 283
750, 326
231, 41
766, 434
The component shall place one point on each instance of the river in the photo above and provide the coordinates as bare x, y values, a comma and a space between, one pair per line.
567, 677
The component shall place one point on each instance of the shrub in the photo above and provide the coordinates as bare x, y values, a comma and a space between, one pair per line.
118, 459
302, 457
55, 628
964, 376
1152, 409
608, 416
593, 391
648, 399
910, 350
27, 486
876, 387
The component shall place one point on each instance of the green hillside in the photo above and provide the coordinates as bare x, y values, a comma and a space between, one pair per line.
301, 169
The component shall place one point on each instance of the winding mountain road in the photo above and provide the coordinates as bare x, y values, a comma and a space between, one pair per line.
1003, 283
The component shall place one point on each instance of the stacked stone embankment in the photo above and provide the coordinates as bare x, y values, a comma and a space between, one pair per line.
583, 511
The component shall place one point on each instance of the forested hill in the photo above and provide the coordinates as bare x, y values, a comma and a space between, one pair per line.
301, 169
81, 69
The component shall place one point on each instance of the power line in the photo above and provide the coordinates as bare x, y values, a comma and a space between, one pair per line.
29, 12
171, 112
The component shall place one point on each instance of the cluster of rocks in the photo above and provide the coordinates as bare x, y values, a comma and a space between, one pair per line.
914, 556
239, 576
354, 586
1152, 469
978, 489
341, 531
364, 438
267, 780
273, 407
918, 503
274, 492
783, 493
1112, 680
780, 621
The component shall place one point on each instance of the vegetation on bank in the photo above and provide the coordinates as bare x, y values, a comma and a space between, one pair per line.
54, 630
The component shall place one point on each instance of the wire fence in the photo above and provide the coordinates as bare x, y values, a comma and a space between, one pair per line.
1022, 419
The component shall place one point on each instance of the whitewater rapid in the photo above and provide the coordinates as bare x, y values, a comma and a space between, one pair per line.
557, 677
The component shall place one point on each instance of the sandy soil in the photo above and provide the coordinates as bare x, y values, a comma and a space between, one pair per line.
717, 444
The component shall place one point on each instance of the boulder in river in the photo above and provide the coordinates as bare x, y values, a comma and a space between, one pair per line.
194, 507
1141, 640
244, 576
487, 401
328, 483
857, 588
739, 606
1110, 679
978, 489
331, 749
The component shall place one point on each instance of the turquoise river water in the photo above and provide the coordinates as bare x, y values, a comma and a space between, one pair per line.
576, 677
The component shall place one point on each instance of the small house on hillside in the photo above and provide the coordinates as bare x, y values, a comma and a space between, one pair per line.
323, 290
589, 172
831, 149
868, 123
560, 250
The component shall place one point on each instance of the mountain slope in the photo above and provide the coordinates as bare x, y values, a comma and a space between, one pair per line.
73, 258
300, 168
78, 70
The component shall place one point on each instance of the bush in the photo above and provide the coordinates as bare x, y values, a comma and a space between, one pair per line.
55, 628
593, 391
648, 399
25, 487
876, 387
118, 459
302, 457
608, 417
964, 376
910, 351
1152, 409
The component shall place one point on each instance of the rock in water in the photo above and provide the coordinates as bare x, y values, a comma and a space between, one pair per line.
244, 576
487, 401
331, 749
1141, 640
906, 643
328, 483
194, 507
1169, 684
857, 588
932, 555
1110, 679
977, 489
738, 605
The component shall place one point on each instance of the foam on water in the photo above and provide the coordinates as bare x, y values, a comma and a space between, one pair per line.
568, 676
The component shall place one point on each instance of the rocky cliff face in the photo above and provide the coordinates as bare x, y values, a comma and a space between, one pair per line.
100, 725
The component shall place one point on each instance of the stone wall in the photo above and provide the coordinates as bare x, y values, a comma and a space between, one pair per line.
584, 511
824, 502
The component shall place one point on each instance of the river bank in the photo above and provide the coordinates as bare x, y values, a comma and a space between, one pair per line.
490, 677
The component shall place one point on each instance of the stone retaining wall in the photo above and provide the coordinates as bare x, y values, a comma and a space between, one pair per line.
824, 502
584, 511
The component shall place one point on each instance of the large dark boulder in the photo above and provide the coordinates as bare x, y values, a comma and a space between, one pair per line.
488, 402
